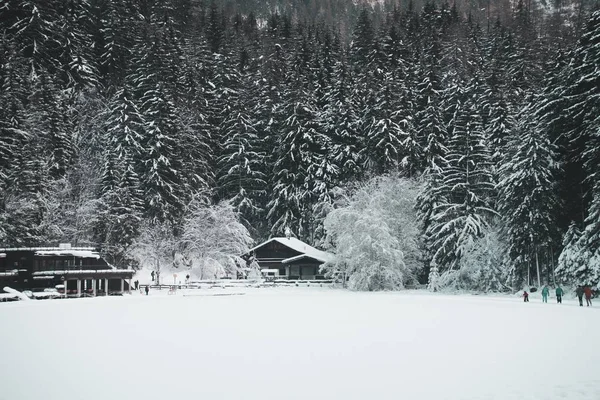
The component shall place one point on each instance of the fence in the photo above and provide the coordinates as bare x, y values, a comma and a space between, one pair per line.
236, 283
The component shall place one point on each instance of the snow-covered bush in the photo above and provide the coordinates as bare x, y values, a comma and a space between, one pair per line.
373, 234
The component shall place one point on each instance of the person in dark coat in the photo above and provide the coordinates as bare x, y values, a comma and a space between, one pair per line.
579, 292
147, 290
525, 296
559, 294
588, 295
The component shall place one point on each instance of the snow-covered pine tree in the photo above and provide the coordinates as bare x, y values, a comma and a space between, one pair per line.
240, 176
162, 178
121, 204
498, 112
299, 148
466, 189
77, 64
588, 271
570, 262
386, 124
582, 89
52, 120
116, 24
13, 93
527, 200
340, 123
433, 282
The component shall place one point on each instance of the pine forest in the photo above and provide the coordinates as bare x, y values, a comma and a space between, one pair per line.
444, 143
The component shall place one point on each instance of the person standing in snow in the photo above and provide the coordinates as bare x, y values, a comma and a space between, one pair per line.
545, 293
559, 294
588, 295
147, 290
579, 292
525, 296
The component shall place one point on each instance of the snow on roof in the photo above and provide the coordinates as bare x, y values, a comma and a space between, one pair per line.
84, 272
299, 246
69, 253
44, 248
14, 272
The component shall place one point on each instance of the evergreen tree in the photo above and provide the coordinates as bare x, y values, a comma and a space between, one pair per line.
527, 199
466, 190
570, 263
240, 176
162, 180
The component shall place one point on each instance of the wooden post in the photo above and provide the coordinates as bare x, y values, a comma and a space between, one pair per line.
106, 286
129, 288
78, 287
122, 285
94, 286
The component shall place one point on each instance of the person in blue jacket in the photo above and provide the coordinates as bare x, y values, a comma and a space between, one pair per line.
545, 293
559, 294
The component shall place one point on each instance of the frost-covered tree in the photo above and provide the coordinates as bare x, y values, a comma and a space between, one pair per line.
373, 234
155, 247
213, 239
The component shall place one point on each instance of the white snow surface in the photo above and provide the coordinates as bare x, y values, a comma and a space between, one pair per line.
299, 343
299, 246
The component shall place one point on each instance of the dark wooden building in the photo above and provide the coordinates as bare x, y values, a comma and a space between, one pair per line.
80, 271
293, 258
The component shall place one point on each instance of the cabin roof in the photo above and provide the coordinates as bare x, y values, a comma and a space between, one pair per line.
298, 245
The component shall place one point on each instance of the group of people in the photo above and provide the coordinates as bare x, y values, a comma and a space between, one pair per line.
584, 290
580, 291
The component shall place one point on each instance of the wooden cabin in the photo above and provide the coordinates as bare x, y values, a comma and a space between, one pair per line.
293, 258
76, 271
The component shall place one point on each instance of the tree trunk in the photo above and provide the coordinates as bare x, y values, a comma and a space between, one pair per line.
537, 265
553, 266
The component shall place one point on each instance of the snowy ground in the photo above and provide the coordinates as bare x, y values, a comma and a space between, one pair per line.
299, 343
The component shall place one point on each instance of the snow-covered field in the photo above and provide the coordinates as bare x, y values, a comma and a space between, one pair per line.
299, 343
